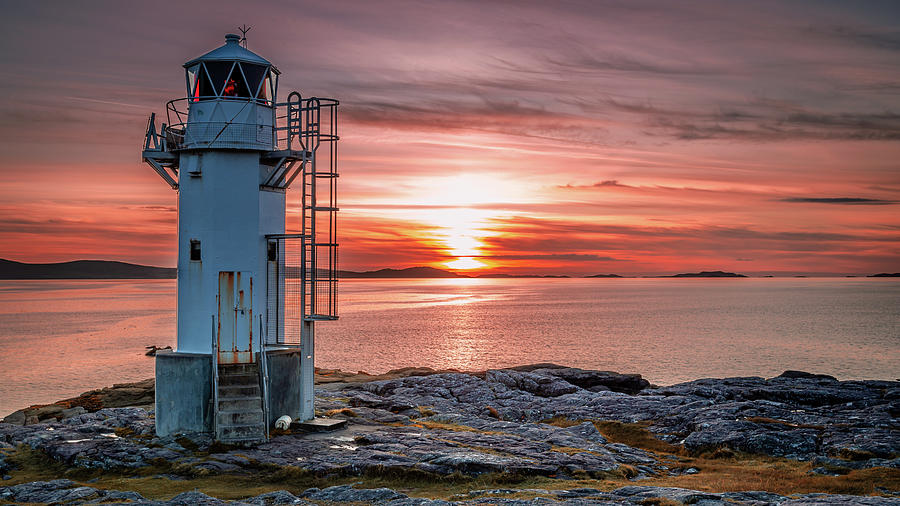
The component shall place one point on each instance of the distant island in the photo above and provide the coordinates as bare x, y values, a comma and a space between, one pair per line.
83, 269
706, 274
409, 272
109, 269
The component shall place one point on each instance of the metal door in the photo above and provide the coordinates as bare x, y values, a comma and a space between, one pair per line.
235, 317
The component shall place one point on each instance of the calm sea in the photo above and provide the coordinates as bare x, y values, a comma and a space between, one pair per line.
60, 338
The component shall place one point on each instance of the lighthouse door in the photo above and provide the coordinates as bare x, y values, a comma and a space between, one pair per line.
235, 300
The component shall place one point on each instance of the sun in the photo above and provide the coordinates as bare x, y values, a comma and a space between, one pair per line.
465, 263
462, 213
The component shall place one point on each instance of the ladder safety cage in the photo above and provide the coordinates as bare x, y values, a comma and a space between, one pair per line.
303, 268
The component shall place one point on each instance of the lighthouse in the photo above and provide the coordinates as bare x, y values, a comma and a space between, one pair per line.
248, 293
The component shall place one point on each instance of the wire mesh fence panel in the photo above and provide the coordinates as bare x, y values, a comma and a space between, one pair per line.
284, 298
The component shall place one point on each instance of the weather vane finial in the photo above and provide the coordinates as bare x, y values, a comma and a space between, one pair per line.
244, 29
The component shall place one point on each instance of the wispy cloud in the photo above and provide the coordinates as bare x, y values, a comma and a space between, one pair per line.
838, 200
650, 135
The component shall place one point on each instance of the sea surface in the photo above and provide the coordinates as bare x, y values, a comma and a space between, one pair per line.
59, 338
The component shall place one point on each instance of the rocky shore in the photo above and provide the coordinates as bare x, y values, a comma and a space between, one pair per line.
540, 434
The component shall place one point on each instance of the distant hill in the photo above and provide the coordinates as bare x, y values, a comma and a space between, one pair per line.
83, 269
885, 275
410, 272
516, 276
604, 276
706, 274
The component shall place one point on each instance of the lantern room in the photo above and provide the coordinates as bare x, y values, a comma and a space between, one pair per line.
230, 102
231, 72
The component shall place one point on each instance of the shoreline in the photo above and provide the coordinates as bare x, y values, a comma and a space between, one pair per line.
535, 434
141, 393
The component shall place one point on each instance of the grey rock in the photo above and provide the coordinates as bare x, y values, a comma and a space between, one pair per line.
192, 498
70, 412
273, 498
795, 415
750, 438
805, 375
676, 494
63, 491
346, 493
598, 381
538, 384
16, 418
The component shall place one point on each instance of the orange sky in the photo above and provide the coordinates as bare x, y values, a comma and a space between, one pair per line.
577, 138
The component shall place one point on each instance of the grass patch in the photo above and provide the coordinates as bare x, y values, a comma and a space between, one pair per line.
781, 476
430, 424
342, 411
726, 470
719, 471
635, 435
561, 421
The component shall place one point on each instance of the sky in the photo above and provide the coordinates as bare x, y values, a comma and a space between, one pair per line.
629, 137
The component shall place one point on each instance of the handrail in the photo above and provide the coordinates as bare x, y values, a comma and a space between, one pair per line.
215, 377
287, 236
264, 373
305, 127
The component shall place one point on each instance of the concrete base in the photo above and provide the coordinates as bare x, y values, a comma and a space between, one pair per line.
284, 383
183, 393
184, 390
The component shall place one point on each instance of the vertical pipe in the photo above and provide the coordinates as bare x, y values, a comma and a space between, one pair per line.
307, 372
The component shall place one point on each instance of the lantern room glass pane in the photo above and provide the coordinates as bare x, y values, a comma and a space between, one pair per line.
265, 91
193, 83
236, 85
272, 85
204, 86
218, 72
254, 75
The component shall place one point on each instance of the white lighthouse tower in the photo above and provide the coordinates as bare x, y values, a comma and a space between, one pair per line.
248, 293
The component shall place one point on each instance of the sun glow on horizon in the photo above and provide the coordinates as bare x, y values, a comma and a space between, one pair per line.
465, 263
456, 206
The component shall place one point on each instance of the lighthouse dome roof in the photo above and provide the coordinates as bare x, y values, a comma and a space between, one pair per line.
230, 51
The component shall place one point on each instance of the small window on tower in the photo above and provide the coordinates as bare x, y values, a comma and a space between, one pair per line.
195, 250
272, 253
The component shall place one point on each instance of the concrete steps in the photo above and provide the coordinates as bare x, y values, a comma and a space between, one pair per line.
239, 415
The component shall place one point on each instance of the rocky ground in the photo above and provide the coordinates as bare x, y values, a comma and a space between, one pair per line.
544, 424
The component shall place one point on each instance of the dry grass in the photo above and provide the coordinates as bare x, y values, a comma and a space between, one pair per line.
342, 411
561, 421
430, 424
780, 476
724, 470
635, 435
719, 471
